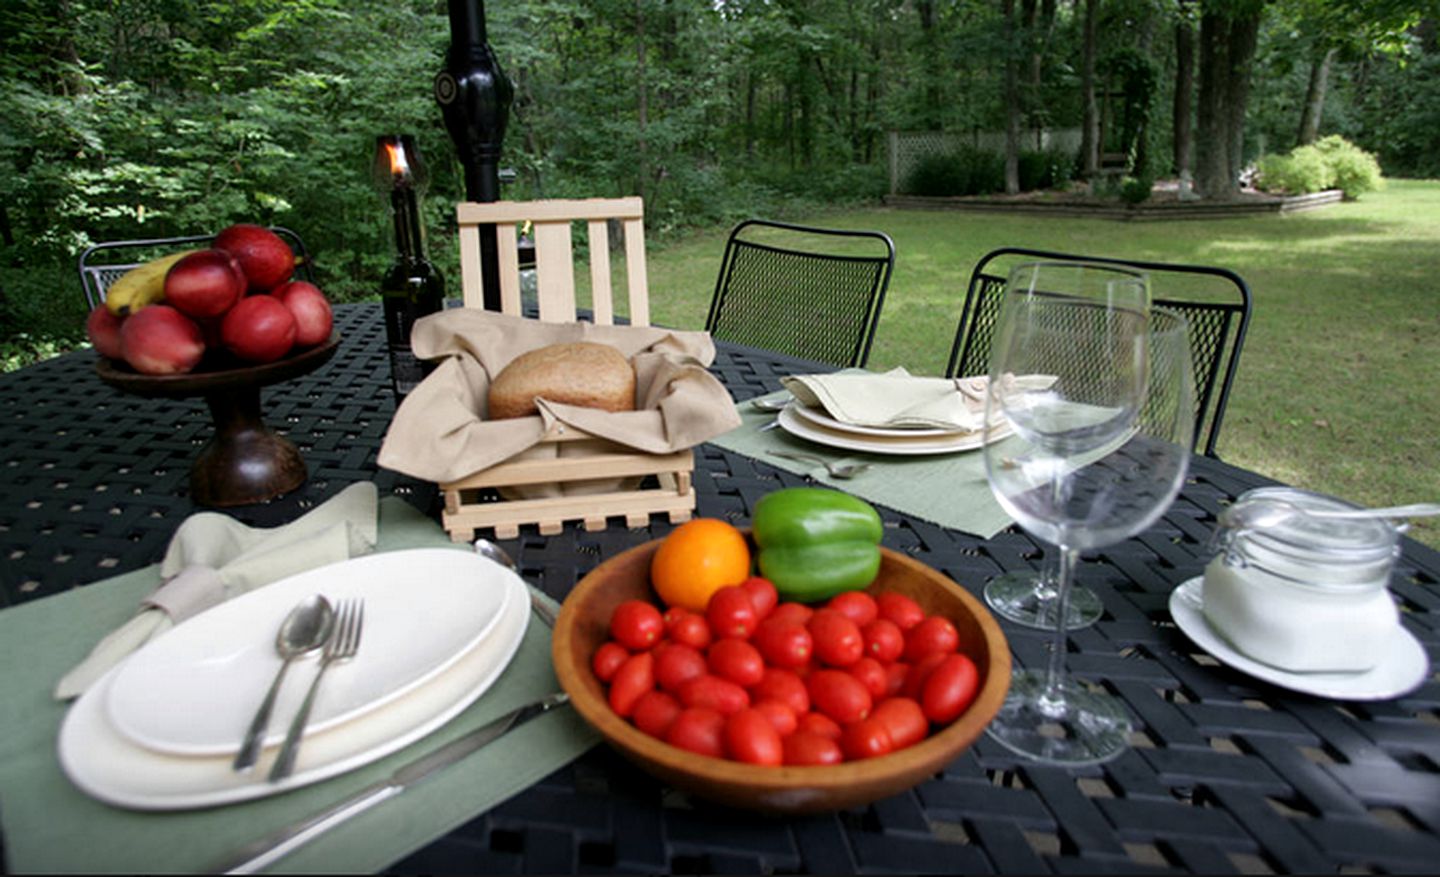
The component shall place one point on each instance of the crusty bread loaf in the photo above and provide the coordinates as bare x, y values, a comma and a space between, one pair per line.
579, 373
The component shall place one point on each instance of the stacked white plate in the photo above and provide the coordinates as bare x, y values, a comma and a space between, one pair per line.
814, 424
159, 730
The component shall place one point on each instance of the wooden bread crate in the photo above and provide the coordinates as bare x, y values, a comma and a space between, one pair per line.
468, 507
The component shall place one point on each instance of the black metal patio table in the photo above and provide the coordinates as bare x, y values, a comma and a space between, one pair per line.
1227, 774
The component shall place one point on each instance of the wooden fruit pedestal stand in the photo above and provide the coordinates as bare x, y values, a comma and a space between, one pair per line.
465, 512
244, 462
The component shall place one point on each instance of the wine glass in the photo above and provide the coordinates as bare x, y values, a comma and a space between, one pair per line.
1101, 403
1031, 598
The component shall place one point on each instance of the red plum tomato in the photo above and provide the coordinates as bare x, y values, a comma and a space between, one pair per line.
900, 609
699, 730
636, 625
884, 640
714, 693
871, 674
784, 686
795, 613
858, 606
839, 695
654, 712
763, 594
808, 748
779, 714
692, 630
903, 719
677, 664
731, 613
783, 643
819, 723
933, 635
866, 738
635, 677
736, 660
607, 660
949, 689
837, 638
751, 738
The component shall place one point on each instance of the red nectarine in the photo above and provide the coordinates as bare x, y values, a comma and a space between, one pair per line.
159, 340
313, 317
259, 329
103, 327
264, 257
205, 283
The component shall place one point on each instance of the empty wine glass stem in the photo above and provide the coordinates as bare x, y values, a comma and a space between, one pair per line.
1055, 667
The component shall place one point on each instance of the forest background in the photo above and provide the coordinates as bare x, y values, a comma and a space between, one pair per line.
145, 118
122, 119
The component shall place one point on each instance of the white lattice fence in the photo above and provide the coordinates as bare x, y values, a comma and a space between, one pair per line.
908, 148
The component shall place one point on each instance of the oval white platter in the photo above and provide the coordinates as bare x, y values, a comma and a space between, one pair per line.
194, 690
949, 443
106, 765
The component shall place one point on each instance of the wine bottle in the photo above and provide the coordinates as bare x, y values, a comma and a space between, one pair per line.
412, 287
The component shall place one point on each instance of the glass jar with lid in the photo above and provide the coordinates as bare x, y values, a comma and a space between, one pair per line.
1301, 592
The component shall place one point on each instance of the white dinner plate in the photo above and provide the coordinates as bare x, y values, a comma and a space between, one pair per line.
1402, 669
108, 766
947, 444
821, 417
194, 690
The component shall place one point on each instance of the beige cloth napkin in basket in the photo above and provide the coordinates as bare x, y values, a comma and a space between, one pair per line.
440, 432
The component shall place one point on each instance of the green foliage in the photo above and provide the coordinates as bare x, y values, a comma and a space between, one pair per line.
1331, 163
1136, 190
1301, 171
1355, 170
971, 171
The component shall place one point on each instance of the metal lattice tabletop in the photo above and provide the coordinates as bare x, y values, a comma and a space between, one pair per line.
1227, 774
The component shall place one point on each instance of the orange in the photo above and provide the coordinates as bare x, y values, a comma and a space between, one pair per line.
697, 559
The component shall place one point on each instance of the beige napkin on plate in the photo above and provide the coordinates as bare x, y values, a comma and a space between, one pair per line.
894, 399
440, 432
213, 557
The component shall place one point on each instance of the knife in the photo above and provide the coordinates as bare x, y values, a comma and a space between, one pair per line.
278, 844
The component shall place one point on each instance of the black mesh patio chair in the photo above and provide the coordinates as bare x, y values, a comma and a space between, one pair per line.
102, 264
809, 292
1215, 301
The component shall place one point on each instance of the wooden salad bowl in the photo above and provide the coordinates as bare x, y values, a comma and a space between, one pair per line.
583, 627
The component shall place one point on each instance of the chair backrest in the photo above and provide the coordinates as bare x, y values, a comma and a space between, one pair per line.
555, 255
815, 293
102, 264
1215, 301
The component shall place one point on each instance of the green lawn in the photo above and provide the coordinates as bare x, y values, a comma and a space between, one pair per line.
1334, 391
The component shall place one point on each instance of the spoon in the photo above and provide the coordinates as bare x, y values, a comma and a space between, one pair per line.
487, 549
843, 471
1272, 511
304, 630
762, 403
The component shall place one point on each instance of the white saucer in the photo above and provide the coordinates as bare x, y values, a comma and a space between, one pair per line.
820, 417
194, 690
1400, 671
108, 766
948, 443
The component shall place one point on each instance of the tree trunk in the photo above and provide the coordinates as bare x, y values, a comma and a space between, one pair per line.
1227, 47
1012, 100
1090, 123
642, 98
1315, 98
1184, 91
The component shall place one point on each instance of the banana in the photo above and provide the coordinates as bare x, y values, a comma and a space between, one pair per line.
140, 286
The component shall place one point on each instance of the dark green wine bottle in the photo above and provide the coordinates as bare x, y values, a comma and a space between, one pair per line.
411, 289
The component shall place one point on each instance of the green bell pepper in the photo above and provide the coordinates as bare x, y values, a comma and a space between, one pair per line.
815, 543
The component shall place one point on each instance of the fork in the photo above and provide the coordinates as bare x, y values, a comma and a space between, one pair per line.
342, 646
842, 471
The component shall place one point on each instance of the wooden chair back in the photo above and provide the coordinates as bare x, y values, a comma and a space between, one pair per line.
551, 222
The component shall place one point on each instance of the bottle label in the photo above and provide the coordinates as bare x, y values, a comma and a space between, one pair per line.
406, 369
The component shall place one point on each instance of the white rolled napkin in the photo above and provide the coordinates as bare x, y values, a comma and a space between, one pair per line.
895, 399
213, 557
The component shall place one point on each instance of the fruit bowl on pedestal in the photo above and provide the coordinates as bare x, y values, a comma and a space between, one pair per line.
245, 462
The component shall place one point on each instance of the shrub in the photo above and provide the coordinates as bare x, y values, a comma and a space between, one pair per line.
1355, 171
1302, 171
938, 175
1136, 190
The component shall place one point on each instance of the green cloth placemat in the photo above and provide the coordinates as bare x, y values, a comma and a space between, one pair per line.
50, 826
945, 489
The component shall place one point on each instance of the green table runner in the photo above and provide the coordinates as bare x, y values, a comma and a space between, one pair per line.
945, 489
51, 826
